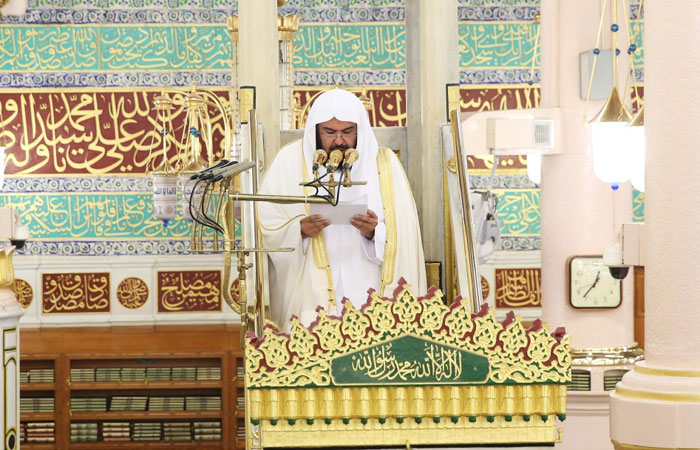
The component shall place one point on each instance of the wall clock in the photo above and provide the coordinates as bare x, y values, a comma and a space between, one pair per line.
591, 285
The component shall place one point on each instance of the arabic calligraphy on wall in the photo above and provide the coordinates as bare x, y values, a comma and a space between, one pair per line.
383, 45
318, 46
23, 292
75, 292
498, 44
86, 131
132, 292
93, 216
518, 212
518, 287
130, 47
189, 291
637, 206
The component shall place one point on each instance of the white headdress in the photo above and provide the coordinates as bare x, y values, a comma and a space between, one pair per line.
346, 107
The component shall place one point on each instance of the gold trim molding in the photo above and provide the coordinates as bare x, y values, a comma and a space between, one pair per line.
667, 372
606, 356
335, 434
621, 446
659, 396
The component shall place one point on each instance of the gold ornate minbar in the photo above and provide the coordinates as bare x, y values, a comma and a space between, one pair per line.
407, 370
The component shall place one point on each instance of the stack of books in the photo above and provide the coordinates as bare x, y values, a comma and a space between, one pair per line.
133, 373
207, 431
240, 403
40, 432
41, 375
128, 403
108, 374
83, 431
24, 377
115, 431
202, 403
177, 431
88, 404
166, 403
22, 432
240, 372
82, 374
208, 373
183, 373
158, 373
146, 431
36, 405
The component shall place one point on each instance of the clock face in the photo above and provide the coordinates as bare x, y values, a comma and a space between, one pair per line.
591, 285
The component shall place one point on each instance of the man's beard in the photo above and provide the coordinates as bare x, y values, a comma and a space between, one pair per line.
341, 147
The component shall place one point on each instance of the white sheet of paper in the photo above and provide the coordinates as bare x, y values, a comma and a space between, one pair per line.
342, 212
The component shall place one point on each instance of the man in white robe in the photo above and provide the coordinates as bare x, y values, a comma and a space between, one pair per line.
331, 261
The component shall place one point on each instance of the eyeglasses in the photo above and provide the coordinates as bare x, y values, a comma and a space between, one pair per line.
341, 134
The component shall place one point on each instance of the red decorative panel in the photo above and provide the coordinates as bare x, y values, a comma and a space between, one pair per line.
75, 292
389, 110
388, 105
79, 132
495, 98
189, 290
518, 288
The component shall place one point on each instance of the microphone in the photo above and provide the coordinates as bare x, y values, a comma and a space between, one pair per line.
320, 157
206, 171
231, 170
351, 156
334, 160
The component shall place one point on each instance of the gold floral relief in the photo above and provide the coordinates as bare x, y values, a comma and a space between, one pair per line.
380, 315
434, 311
302, 342
406, 309
459, 321
328, 331
355, 325
274, 349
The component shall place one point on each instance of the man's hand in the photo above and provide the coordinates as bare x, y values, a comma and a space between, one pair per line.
312, 225
366, 224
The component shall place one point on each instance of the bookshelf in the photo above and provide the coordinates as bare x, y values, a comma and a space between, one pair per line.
132, 387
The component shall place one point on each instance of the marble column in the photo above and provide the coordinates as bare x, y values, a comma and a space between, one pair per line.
432, 62
258, 35
580, 215
657, 405
10, 313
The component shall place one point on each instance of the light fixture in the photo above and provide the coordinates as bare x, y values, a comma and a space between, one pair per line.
195, 150
611, 155
164, 175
